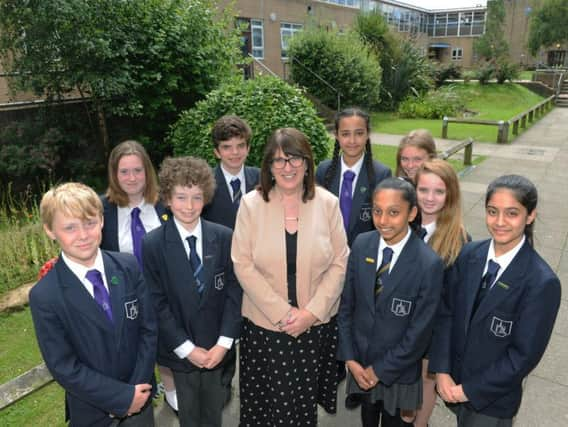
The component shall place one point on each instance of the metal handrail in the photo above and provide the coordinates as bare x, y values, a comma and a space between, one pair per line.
320, 78
263, 66
559, 83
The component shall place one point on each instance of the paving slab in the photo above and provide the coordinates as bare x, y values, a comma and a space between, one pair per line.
541, 154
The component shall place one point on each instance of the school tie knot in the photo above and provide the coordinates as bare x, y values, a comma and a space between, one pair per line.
100, 292
137, 231
383, 270
196, 264
492, 270
237, 192
486, 283
346, 197
422, 233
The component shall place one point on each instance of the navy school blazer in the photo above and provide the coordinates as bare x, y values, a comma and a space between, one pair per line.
221, 209
390, 333
182, 313
361, 219
110, 225
96, 362
492, 352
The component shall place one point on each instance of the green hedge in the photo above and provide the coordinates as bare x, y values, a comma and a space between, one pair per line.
343, 60
266, 103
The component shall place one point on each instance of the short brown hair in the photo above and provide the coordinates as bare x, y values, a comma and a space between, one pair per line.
116, 194
72, 199
186, 172
292, 142
228, 127
419, 138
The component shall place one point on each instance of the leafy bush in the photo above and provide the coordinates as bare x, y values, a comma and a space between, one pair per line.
24, 246
506, 70
266, 103
468, 76
342, 60
485, 73
434, 105
409, 74
443, 72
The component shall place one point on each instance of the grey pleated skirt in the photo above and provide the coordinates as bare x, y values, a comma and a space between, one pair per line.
396, 396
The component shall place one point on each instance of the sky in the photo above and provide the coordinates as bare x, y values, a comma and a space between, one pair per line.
444, 4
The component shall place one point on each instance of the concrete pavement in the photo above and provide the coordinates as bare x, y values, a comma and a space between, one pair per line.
540, 154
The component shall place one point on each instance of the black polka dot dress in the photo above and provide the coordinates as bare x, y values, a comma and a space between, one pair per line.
283, 379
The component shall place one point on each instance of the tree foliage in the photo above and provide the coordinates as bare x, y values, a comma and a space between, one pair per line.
342, 60
405, 70
549, 25
137, 58
266, 103
492, 45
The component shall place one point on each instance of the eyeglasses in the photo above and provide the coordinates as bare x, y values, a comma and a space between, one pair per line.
294, 161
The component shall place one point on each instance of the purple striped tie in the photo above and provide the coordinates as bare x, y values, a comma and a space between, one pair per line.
346, 197
137, 230
101, 294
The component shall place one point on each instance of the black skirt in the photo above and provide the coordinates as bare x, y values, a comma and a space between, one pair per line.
283, 379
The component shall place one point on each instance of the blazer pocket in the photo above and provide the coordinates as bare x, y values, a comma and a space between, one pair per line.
131, 307
219, 280
401, 306
500, 325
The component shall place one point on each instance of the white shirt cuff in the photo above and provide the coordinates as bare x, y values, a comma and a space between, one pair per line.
183, 350
225, 342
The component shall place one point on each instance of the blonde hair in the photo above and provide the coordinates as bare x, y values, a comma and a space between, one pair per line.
116, 194
419, 138
450, 235
72, 199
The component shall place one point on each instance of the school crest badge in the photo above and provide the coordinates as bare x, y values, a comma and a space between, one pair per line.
365, 214
501, 328
131, 308
401, 307
219, 281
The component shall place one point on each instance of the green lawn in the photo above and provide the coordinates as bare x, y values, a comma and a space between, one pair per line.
386, 154
488, 102
526, 75
19, 353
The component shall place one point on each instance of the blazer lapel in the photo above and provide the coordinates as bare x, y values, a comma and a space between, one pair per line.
399, 272
334, 185
222, 186
250, 179
162, 212
475, 272
116, 282
369, 269
360, 196
209, 257
505, 285
179, 265
79, 298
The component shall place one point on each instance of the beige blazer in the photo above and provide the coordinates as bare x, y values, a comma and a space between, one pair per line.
259, 257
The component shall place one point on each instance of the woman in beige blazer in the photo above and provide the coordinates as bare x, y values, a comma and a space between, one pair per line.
289, 253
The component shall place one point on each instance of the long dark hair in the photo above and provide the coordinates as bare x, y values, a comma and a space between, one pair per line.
350, 112
525, 193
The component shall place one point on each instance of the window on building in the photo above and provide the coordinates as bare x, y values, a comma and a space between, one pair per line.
466, 19
452, 29
287, 31
440, 22
350, 3
257, 30
457, 53
478, 26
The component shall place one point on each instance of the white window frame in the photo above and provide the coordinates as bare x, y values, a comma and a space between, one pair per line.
257, 51
287, 31
457, 54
